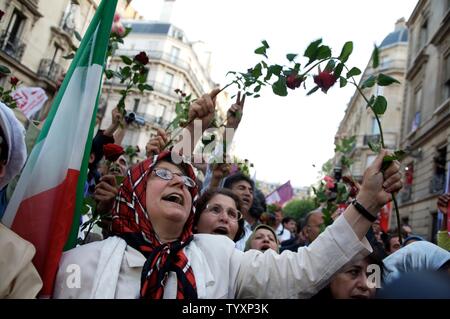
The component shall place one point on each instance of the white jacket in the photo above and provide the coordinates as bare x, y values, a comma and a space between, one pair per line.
111, 269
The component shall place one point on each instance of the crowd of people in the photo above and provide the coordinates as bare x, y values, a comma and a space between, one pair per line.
164, 233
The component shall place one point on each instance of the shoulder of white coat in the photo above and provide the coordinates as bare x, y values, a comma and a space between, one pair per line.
215, 243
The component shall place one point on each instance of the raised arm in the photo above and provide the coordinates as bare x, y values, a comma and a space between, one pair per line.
304, 273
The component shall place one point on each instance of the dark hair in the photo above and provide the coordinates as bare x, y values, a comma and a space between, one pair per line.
287, 219
4, 147
237, 177
371, 259
201, 203
308, 216
259, 205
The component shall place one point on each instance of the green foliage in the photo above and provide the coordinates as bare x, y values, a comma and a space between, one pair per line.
375, 57
353, 72
384, 80
298, 208
380, 105
347, 50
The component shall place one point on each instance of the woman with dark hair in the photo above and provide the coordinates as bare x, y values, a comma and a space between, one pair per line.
217, 211
357, 280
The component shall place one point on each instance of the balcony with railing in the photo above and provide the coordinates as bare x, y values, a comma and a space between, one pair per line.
14, 47
390, 139
50, 70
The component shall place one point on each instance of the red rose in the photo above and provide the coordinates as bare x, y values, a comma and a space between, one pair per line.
2, 13
141, 58
112, 151
13, 80
293, 81
325, 80
116, 17
330, 182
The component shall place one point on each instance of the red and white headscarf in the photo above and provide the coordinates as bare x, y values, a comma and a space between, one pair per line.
131, 222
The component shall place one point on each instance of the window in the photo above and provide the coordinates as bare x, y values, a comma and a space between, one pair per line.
406, 192
446, 81
415, 112
437, 182
174, 54
423, 35
168, 81
11, 43
385, 62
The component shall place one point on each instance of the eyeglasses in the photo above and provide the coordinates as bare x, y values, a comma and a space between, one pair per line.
217, 209
168, 175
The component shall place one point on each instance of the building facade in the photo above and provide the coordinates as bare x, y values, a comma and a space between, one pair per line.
174, 63
35, 35
359, 121
426, 120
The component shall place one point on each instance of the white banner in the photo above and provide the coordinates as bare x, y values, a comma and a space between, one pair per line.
29, 100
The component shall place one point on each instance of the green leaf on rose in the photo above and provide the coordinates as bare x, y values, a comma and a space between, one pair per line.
338, 70
314, 89
77, 35
324, 52
265, 44
261, 50
371, 80
4, 69
311, 51
276, 69
109, 74
125, 72
380, 105
291, 56
347, 49
353, 72
69, 56
119, 179
126, 60
279, 87
342, 81
375, 147
256, 71
297, 67
375, 57
384, 80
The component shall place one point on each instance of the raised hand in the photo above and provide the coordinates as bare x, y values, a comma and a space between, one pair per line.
203, 109
235, 112
377, 185
157, 143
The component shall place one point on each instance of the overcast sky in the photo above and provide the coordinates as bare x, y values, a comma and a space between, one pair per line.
284, 136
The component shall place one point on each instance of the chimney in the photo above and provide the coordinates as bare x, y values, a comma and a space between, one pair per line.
400, 24
166, 12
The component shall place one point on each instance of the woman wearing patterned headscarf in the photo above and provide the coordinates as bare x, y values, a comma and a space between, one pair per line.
154, 253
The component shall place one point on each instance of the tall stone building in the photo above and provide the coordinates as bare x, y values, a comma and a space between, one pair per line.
35, 35
426, 121
359, 121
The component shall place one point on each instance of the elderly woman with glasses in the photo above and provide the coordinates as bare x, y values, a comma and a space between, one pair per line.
154, 254
218, 212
